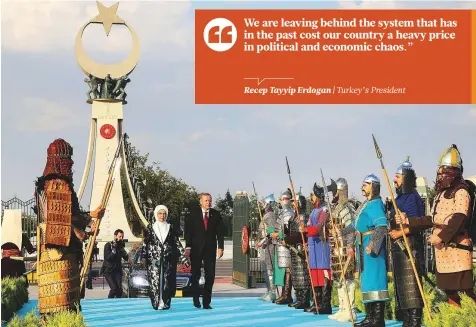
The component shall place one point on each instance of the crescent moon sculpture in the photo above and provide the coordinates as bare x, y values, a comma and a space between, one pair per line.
107, 17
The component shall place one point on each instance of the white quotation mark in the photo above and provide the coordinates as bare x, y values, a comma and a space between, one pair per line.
220, 34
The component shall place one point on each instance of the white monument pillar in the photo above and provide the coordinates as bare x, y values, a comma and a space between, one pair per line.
107, 84
108, 116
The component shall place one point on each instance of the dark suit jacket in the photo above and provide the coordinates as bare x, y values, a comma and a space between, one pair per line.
112, 259
199, 239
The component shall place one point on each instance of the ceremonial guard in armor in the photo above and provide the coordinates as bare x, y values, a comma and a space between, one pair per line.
407, 294
369, 230
267, 249
317, 231
283, 253
451, 212
344, 215
63, 229
299, 269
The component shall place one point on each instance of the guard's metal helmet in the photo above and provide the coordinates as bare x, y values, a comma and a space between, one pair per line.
374, 181
286, 198
409, 176
451, 158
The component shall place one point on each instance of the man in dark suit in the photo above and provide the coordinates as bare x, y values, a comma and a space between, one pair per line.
203, 231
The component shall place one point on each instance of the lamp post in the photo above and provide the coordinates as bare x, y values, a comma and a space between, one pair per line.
183, 215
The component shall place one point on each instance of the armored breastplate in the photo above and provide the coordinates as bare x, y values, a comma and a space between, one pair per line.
450, 259
269, 219
294, 223
344, 214
56, 208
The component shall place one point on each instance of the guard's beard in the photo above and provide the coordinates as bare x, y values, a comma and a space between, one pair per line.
368, 195
398, 189
448, 177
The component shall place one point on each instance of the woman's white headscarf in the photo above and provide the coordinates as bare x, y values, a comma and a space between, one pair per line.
161, 229
158, 208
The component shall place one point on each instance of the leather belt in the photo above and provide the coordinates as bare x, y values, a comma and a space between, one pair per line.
461, 246
360, 235
368, 233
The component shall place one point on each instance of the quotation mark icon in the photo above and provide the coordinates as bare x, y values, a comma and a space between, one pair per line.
220, 34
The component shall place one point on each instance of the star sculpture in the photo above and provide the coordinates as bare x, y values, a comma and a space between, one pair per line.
107, 16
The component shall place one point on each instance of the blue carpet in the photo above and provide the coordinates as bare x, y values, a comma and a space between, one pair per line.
236, 311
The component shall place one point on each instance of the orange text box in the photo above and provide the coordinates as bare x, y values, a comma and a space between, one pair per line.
333, 57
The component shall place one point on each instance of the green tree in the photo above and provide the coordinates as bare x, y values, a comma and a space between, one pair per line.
309, 205
225, 206
160, 187
254, 213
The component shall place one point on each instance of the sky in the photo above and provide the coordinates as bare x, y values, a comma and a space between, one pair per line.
212, 147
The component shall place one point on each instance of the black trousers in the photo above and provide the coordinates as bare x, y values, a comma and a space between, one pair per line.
209, 262
114, 280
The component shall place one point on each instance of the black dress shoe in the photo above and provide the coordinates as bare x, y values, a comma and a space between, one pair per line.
197, 304
325, 310
207, 306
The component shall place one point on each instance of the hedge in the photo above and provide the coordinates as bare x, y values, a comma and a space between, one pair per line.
14, 295
447, 315
62, 319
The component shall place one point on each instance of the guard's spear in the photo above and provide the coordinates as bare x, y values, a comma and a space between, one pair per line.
113, 173
264, 228
397, 212
342, 267
296, 205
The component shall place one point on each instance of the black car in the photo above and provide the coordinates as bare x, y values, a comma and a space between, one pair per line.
136, 284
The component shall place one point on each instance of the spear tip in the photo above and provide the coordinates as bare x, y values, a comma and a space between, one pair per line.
377, 149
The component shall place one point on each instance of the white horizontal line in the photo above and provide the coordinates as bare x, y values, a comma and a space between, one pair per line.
268, 78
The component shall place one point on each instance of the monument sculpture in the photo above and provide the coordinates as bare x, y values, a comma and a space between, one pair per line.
107, 88
106, 94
